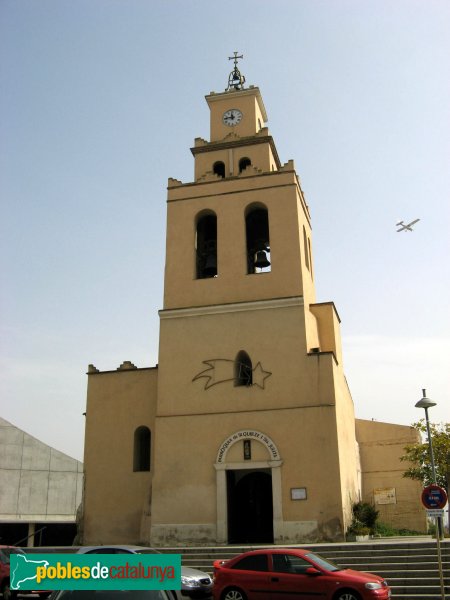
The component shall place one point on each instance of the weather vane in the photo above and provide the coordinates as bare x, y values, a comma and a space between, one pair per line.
235, 80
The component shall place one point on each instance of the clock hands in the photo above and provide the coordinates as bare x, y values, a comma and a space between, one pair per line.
232, 117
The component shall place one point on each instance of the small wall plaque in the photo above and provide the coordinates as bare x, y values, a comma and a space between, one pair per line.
247, 450
298, 493
384, 496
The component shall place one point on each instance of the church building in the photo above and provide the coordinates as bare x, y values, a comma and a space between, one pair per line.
245, 430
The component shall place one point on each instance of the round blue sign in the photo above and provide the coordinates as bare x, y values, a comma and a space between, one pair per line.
433, 496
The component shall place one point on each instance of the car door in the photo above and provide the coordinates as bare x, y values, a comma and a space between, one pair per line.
290, 581
251, 575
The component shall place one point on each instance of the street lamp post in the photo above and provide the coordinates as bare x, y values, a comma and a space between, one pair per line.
426, 403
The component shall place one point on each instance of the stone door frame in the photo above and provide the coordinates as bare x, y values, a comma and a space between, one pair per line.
221, 466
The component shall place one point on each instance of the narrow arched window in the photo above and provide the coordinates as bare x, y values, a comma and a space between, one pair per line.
258, 241
305, 247
310, 256
243, 371
206, 246
219, 168
142, 444
244, 163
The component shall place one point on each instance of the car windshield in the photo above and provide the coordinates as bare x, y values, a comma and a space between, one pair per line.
8, 551
118, 550
323, 563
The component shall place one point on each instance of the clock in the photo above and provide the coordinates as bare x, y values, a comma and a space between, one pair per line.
232, 117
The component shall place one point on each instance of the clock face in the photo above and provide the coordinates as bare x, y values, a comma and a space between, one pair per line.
232, 117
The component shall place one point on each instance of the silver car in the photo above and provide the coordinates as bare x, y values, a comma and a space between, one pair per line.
194, 583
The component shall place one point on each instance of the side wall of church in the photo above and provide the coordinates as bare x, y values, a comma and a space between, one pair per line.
329, 338
117, 497
395, 497
347, 446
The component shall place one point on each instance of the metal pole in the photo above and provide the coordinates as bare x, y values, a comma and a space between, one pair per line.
433, 468
439, 524
438, 520
447, 470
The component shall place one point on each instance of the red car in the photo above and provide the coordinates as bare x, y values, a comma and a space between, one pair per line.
284, 573
5, 589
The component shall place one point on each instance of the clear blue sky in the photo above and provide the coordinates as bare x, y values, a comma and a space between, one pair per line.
101, 101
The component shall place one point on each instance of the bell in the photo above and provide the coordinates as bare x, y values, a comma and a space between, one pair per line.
261, 260
210, 268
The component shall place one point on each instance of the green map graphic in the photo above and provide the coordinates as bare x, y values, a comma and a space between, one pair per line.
25, 570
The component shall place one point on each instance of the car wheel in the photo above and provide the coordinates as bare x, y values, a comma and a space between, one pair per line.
8, 593
233, 594
347, 595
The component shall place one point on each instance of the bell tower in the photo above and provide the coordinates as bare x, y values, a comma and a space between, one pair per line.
244, 214
250, 370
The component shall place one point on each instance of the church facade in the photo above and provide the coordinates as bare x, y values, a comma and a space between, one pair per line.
245, 430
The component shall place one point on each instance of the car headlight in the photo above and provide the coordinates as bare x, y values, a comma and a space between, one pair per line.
373, 585
189, 582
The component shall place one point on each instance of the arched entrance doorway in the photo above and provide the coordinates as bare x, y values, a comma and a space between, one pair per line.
248, 477
250, 506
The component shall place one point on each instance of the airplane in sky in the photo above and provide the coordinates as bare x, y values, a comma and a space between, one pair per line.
404, 227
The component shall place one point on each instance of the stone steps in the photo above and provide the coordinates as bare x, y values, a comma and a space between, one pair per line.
410, 566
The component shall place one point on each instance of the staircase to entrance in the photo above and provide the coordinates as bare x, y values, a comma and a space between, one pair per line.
409, 565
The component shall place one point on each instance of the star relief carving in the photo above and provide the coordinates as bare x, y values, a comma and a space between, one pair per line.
222, 370
259, 376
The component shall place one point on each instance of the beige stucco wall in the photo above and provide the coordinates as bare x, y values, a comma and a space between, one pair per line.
281, 195
300, 393
249, 102
381, 446
117, 499
349, 465
230, 152
185, 507
327, 328
254, 327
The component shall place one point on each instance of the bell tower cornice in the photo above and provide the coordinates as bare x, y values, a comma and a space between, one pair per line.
232, 142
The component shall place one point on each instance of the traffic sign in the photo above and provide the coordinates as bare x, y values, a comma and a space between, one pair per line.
433, 496
435, 512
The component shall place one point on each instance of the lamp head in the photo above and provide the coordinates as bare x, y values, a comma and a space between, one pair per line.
425, 402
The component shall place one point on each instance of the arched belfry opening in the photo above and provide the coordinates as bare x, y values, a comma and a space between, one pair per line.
243, 369
244, 163
258, 240
206, 246
219, 168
